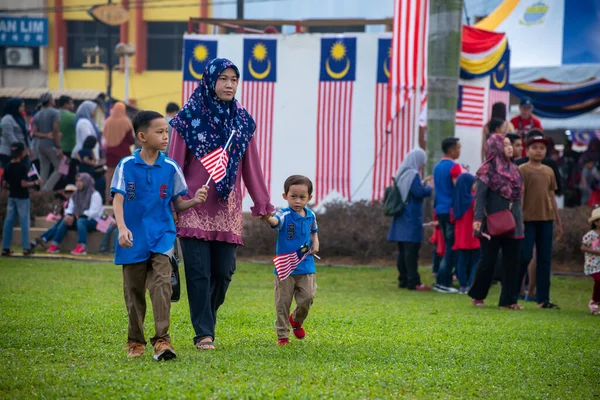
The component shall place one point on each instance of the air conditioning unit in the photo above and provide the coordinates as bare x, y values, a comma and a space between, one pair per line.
18, 56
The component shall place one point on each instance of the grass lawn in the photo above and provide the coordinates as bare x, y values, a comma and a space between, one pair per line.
64, 325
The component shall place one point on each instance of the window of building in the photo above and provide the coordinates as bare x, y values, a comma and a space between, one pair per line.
165, 45
89, 34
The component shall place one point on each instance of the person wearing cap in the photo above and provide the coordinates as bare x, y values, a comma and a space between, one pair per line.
17, 183
525, 121
540, 213
47, 236
590, 246
45, 130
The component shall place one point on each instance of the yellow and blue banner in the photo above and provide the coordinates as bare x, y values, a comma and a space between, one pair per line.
196, 54
384, 48
338, 59
260, 60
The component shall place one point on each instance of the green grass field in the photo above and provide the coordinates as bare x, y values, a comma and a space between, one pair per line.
64, 325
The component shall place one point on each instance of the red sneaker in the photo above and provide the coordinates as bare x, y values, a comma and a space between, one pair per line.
80, 250
283, 341
422, 288
54, 249
477, 303
298, 330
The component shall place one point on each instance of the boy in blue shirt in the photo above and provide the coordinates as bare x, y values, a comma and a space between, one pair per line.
445, 174
143, 187
297, 226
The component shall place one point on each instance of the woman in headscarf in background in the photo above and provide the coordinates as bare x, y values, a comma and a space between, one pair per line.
83, 212
118, 139
14, 129
210, 232
407, 228
86, 126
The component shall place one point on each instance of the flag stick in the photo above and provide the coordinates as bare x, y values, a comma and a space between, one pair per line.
220, 158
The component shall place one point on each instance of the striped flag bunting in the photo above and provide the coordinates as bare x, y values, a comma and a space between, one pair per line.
285, 264
470, 109
334, 117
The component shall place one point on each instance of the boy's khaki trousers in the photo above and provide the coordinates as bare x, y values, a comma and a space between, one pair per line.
303, 288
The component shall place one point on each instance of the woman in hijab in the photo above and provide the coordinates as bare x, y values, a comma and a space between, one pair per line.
14, 130
465, 243
86, 126
499, 188
83, 212
118, 139
210, 233
407, 228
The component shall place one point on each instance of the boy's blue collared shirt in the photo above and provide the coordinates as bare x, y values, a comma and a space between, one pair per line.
294, 232
148, 191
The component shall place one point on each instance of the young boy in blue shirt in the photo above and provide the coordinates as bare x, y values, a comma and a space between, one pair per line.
297, 226
143, 187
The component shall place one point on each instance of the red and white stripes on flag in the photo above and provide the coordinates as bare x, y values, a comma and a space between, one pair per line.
285, 264
334, 123
188, 88
258, 98
470, 110
390, 145
497, 96
215, 163
408, 66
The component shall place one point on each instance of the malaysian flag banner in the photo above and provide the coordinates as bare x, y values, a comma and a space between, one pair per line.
498, 92
471, 103
285, 264
258, 95
334, 117
196, 54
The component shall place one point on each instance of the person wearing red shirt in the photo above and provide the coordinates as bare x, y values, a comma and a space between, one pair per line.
525, 121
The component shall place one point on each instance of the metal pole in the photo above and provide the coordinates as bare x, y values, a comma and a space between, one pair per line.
126, 93
240, 9
61, 67
109, 63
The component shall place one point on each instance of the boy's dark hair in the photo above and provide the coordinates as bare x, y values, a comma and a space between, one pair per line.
533, 133
89, 142
494, 124
16, 149
298, 180
143, 119
449, 143
62, 100
172, 107
513, 137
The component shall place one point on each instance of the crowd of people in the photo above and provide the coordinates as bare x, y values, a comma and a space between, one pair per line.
184, 181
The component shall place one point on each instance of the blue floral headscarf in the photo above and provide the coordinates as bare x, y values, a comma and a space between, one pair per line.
206, 122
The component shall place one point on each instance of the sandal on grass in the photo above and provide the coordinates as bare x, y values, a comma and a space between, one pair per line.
7, 252
548, 304
512, 307
203, 344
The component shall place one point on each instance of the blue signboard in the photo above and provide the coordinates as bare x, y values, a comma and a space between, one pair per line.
23, 32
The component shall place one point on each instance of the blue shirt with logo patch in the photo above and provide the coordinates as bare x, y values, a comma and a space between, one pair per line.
294, 232
148, 191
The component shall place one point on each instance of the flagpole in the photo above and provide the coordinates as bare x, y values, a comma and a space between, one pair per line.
418, 88
210, 174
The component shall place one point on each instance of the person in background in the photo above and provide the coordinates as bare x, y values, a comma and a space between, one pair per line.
525, 121
498, 113
540, 213
118, 138
172, 110
45, 129
407, 228
499, 188
570, 172
89, 164
59, 212
445, 174
517, 144
547, 161
108, 240
465, 243
13, 130
590, 246
590, 182
66, 126
16, 181
439, 247
494, 127
86, 126
83, 212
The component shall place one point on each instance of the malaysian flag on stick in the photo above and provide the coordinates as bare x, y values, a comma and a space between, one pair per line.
196, 54
33, 172
258, 95
285, 264
470, 109
216, 161
334, 118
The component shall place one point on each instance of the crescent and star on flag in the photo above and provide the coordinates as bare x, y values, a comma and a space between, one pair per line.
338, 53
201, 56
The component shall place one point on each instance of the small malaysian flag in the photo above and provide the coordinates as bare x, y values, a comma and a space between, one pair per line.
33, 172
215, 163
285, 264
470, 110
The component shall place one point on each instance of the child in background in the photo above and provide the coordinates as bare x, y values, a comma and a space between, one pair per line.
465, 244
588, 186
591, 247
517, 144
87, 156
49, 234
297, 226
16, 181
108, 242
439, 246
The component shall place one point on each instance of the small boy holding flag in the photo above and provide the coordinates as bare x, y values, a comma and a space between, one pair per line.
297, 242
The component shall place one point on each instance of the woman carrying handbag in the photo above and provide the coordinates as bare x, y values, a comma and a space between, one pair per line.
498, 222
